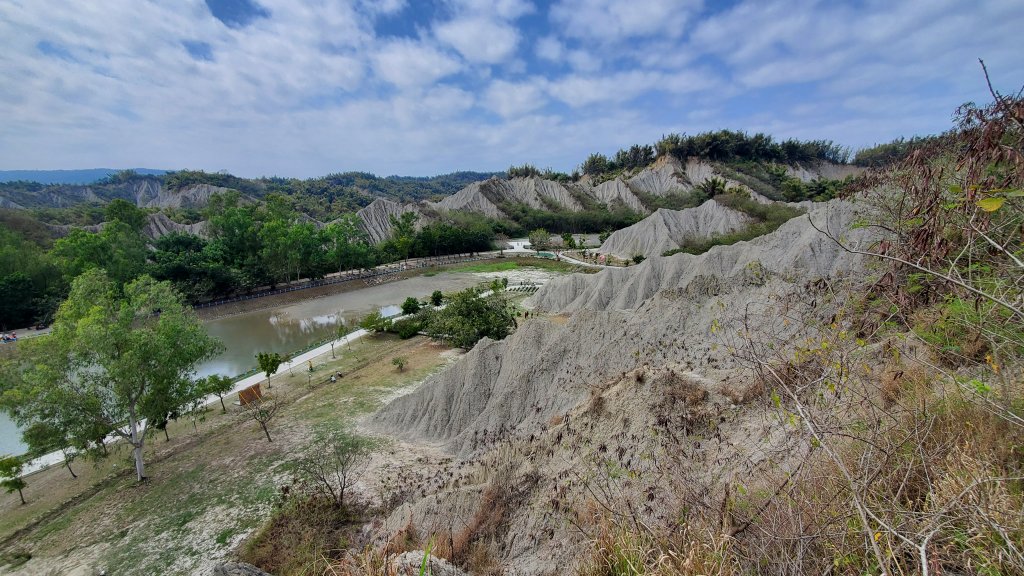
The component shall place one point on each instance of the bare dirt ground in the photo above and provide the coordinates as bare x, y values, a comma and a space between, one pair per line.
211, 485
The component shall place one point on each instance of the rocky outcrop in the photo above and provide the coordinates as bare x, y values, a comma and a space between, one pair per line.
669, 229
412, 562
795, 250
545, 368
5, 203
665, 176
238, 569
615, 192
473, 198
489, 196
159, 224
143, 192
375, 219
150, 194
630, 374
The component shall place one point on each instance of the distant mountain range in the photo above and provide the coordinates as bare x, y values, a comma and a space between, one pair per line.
85, 176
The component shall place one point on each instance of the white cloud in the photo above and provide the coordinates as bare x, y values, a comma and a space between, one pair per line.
311, 89
479, 39
610, 21
407, 63
502, 9
578, 90
510, 99
549, 48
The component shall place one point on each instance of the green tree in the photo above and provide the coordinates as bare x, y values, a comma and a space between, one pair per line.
346, 243
107, 357
410, 306
403, 233
568, 241
10, 475
712, 187
375, 322
278, 249
269, 362
31, 284
218, 385
123, 211
193, 265
334, 462
43, 438
468, 318
399, 362
595, 165
118, 249
436, 298
540, 239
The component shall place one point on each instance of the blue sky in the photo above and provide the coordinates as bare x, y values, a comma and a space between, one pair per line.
308, 87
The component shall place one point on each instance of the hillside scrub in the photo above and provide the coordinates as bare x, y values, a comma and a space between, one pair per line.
902, 407
768, 218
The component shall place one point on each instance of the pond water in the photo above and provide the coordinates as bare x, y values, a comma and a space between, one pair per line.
293, 327
297, 326
10, 438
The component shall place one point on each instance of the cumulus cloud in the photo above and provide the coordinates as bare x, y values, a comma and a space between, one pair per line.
615, 20
479, 39
502, 9
310, 87
510, 99
408, 63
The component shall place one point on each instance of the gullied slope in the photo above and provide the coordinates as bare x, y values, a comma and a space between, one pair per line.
160, 225
617, 191
193, 196
669, 229
375, 219
473, 198
499, 385
143, 192
487, 197
157, 225
635, 375
663, 177
796, 249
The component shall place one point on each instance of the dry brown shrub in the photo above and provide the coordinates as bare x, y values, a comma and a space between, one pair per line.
303, 537
404, 540
620, 551
740, 394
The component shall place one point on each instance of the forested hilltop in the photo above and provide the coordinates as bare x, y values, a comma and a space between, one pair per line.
215, 234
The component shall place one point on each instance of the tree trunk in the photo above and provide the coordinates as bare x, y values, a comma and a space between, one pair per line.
68, 464
267, 432
137, 443
223, 408
166, 437
22, 496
